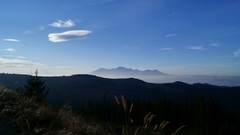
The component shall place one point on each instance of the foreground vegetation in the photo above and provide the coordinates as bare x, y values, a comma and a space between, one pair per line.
202, 117
30, 117
28, 113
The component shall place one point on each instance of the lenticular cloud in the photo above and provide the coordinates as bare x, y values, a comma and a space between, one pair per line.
68, 35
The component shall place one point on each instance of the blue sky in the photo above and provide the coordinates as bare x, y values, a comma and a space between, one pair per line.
64, 37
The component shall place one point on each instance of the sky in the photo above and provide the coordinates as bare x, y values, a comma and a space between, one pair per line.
65, 37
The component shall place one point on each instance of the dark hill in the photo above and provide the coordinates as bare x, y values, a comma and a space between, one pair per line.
78, 89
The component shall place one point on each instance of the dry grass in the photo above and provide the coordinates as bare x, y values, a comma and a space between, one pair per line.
123, 107
146, 128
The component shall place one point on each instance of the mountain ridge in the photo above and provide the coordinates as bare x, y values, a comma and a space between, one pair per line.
121, 71
80, 88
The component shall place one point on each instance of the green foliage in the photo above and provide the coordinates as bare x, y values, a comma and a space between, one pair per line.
35, 87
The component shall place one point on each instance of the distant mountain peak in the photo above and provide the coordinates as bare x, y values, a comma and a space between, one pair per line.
120, 67
123, 71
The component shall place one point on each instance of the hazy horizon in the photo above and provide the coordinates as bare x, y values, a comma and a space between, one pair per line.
155, 76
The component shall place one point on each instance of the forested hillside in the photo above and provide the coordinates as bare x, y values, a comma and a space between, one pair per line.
80, 88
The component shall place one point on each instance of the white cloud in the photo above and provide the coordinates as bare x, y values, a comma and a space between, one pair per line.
10, 49
21, 65
12, 61
16, 65
170, 35
68, 35
236, 53
15, 62
198, 48
63, 24
10, 40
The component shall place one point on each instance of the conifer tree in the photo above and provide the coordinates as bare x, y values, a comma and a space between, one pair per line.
35, 87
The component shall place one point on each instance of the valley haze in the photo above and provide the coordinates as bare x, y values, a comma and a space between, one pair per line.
155, 76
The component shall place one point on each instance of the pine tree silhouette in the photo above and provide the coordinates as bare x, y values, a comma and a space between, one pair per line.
35, 87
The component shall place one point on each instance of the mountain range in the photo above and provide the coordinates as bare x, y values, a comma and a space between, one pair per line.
156, 76
123, 71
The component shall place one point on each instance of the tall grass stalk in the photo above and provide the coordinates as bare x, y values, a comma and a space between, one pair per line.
123, 106
146, 128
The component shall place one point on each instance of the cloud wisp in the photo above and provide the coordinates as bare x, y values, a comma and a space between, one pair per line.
236, 53
68, 35
63, 24
98, 2
165, 49
170, 35
197, 48
16, 62
219, 65
18, 65
21, 57
28, 32
22, 65
10, 49
11, 40
12, 61
214, 44
34, 30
